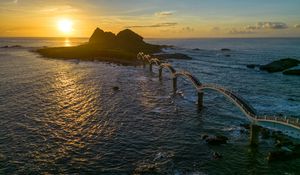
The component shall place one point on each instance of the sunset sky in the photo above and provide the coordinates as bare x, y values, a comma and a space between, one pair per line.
155, 18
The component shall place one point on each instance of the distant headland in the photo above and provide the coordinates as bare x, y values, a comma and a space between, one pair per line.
106, 46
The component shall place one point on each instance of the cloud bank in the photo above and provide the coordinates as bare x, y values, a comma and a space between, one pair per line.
167, 24
268, 25
164, 13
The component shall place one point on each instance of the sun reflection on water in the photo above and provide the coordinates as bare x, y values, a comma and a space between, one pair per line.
75, 119
67, 42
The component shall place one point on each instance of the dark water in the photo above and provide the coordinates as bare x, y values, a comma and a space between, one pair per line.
64, 117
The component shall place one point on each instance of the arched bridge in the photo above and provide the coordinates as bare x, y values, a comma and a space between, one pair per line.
241, 103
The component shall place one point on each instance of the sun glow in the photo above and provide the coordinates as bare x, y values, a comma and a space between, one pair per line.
65, 26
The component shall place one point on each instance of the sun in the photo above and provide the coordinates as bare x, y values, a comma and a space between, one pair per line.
65, 26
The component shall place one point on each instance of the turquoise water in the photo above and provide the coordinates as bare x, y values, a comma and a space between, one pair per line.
64, 116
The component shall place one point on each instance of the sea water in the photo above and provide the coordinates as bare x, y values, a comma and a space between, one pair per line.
65, 117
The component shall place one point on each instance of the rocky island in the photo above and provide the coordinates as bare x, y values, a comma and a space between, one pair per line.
282, 65
105, 46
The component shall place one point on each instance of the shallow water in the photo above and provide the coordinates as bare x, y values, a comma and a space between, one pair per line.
64, 116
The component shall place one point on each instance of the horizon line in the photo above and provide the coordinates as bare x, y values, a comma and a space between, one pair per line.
265, 37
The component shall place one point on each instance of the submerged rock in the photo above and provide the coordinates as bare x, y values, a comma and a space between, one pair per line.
13, 46
216, 140
217, 155
292, 72
116, 88
280, 65
196, 49
252, 66
282, 155
225, 50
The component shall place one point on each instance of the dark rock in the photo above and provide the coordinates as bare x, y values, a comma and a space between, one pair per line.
13, 46
246, 126
291, 99
292, 72
179, 56
217, 140
282, 155
101, 37
280, 65
129, 36
16, 46
227, 55
217, 155
116, 88
204, 137
225, 50
196, 49
252, 66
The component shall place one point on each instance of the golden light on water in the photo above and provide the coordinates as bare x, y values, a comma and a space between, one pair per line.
67, 42
65, 26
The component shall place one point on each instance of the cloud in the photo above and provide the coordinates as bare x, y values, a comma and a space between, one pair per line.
240, 31
59, 9
164, 13
215, 29
268, 25
297, 26
167, 24
187, 29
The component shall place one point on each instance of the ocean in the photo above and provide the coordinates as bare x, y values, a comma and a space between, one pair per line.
64, 116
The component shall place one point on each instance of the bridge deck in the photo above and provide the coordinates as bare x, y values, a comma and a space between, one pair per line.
238, 100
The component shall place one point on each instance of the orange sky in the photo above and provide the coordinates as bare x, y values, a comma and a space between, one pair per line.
171, 19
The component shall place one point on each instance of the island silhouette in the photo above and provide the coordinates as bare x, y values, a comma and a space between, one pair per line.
106, 46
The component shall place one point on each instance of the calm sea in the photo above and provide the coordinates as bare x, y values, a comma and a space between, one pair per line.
64, 116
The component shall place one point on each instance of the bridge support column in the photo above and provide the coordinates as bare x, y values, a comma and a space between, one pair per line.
160, 74
144, 64
150, 67
254, 135
174, 85
200, 100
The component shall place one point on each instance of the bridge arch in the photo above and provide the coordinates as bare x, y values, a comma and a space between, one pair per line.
242, 104
196, 83
246, 108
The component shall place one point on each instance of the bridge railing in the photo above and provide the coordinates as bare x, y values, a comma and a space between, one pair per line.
241, 102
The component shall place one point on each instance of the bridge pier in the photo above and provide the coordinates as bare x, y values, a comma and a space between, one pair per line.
160, 74
200, 100
144, 64
150, 67
254, 135
174, 84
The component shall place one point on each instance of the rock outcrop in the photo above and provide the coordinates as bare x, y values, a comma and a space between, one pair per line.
280, 65
225, 50
292, 72
106, 46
